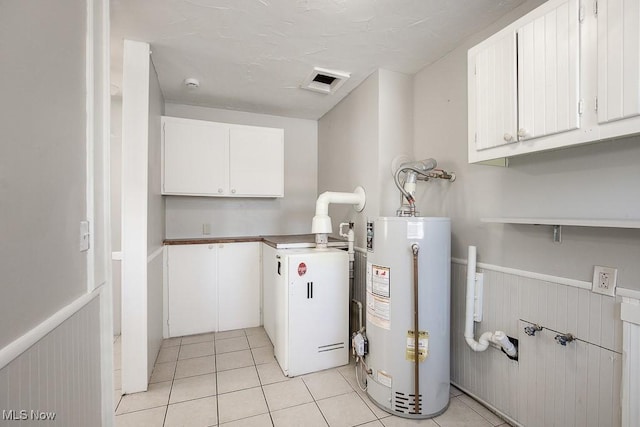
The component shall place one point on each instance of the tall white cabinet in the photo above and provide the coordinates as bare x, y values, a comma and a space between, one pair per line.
201, 158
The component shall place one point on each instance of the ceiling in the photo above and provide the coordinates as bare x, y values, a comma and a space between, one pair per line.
253, 55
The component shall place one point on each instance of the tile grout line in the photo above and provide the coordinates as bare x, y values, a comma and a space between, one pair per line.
215, 370
315, 401
358, 394
260, 380
173, 378
481, 416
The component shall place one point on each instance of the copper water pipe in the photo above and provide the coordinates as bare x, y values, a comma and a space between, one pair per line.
416, 399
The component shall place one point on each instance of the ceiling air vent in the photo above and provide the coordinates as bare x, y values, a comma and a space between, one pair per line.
324, 81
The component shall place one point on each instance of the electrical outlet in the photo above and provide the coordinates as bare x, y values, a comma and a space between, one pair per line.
206, 229
604, 280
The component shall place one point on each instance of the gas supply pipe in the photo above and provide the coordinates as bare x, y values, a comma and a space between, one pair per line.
497, 337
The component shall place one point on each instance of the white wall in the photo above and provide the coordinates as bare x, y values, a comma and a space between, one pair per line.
59, 374
155, 221
395, 133
116, 206
594, 181
348, 153
42, 161
55, 339
549, 385
142, 217
155, 201
291, 214
358, 139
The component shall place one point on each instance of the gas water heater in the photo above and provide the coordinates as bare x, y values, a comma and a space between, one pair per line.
408, 303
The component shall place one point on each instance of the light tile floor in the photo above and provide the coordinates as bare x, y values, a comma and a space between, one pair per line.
232, 379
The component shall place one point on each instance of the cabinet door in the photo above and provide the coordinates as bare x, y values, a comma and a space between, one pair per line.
192, 275
618, 59
195, 157
493, 93
256, 161
548, 72
238, 285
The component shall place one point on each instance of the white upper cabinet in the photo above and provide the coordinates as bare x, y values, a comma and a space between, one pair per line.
549, 72
578, 79
525, 84
194, 155
202, 158
495, 99
618, 59
256, 161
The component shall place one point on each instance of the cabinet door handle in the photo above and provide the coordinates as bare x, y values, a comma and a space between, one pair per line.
233, 190
279, 265
508, 137
220, 190
522, 133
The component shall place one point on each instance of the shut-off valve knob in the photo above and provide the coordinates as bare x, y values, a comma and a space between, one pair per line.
563, 339
532, 329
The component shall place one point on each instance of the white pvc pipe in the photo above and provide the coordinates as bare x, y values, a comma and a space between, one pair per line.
498, 337
350, 235
355, 198
468, 320
321, 224
501, 338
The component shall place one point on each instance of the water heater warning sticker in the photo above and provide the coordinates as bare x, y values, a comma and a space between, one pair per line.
380, 280
378, 301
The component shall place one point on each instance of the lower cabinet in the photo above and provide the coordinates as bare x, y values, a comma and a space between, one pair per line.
238, 286
192, 276
212, 287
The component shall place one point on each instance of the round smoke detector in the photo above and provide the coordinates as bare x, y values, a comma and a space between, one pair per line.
192, 83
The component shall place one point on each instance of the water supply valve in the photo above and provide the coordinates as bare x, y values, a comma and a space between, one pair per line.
563, 339
532, 329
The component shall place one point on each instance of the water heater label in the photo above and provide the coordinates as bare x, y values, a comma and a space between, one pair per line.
380, 280
423, 346
378, 292
415, 230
